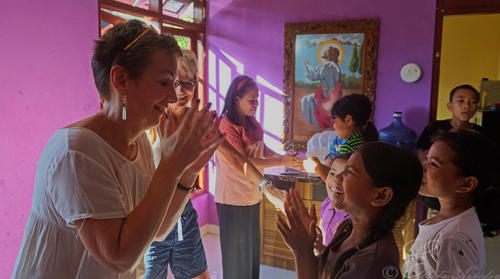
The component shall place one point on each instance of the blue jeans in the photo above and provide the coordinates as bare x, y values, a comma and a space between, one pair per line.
184, 252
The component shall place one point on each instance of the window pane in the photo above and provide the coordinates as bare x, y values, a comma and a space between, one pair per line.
183, 42
109, 18
172, 26
186, 10
201, 54
143, 4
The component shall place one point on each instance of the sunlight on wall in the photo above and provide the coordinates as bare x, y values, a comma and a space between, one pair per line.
211, 176
212, 98
273, 123
224, 78
212, 72
257, 112
273, 143
239, 66
263, 81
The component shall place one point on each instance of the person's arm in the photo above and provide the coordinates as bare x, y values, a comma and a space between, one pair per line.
320, 169
119, 243
241, 163
269, 153
288, 160
312, 73
299, 240
234, 138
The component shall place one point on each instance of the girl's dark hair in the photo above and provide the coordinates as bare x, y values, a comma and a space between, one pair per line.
239, 86
359, 107
464, 86
342, 156
476, 155
400, 170
110, 50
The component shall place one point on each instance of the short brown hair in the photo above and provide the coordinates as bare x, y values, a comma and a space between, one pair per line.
116, 47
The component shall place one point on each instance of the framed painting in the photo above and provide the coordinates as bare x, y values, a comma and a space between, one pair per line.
323, 62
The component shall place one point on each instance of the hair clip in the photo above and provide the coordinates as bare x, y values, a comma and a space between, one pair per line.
137, 38
241, 83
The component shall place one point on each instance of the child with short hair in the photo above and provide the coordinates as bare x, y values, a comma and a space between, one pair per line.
462, 172
375, 193
463, 104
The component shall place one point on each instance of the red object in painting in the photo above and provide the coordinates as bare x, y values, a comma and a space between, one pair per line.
324, 117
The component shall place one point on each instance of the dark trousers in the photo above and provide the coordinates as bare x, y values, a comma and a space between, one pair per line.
239, 240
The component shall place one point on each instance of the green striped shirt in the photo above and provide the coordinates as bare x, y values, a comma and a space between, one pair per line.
352, 143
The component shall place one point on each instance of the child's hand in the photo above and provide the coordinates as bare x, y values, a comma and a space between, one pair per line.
320, 169
294, 200
296, 236
319, 248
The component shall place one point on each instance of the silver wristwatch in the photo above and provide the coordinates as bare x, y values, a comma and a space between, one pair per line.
263, 183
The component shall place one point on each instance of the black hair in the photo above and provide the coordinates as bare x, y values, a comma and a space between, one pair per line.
476, 155
230, 108
359, 107
464, 86
342, 156
110, 50
401, 170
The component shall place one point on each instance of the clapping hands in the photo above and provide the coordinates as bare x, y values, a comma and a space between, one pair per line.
194, 141
300, 232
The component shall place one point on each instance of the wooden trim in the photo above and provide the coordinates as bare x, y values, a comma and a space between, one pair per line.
452, 7
157, 16
104, 15
99, 19
436, 60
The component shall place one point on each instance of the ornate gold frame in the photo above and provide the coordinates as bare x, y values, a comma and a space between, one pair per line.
370, 29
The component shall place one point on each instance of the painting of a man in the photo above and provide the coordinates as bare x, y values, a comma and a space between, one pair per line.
321, 77
317, 107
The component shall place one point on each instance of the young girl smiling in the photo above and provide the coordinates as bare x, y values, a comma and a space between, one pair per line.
375, 193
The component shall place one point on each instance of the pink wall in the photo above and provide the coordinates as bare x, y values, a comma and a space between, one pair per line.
45, 83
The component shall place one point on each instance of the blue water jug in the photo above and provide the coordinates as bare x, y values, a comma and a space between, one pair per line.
398, 134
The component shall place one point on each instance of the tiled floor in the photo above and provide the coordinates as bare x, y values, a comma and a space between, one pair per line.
214, 261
